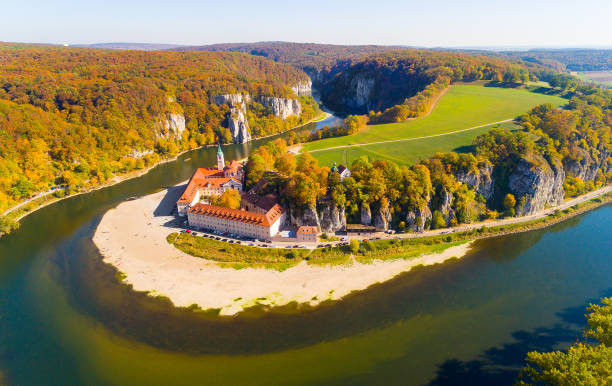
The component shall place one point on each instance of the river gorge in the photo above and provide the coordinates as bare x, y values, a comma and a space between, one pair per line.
65, 317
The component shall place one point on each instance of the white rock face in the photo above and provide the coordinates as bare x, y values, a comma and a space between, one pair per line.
358, 96
239, 126
236, 121
172, 126
282, 107
303, 88
233, 100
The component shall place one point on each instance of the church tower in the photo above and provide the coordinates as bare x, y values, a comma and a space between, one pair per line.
220, 159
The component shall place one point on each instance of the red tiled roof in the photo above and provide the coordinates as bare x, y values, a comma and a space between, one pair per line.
239, 215
201, 179
307, 229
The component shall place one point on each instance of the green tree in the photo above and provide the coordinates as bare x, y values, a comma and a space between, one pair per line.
229, 199
582, 364
437, 220
354, 245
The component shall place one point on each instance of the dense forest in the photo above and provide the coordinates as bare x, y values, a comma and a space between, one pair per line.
558, 153
568, 59
402, 84
79, 116
312, 58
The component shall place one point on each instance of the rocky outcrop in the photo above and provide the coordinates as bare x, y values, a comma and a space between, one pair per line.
358, 93
331, 217
419, 219
536, 184
282, 107
480, 181
303, 88
446, 206
303, 217
237, 122
366, 214
238, 126
233, 100
172, 126
585, 166
382, 220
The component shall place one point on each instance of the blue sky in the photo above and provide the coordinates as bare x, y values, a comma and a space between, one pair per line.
417, 23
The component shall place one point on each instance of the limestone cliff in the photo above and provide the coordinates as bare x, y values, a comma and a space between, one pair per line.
282, 107
303, 88
239, 126
585, 165
446, 206
358, 93
172, 126
329, 217
237, 122
481, 181
418, 220
382, 219
536, 184
366, 214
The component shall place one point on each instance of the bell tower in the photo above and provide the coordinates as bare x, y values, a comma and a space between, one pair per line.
220, 159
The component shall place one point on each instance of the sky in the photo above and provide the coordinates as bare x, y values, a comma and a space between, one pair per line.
425, 23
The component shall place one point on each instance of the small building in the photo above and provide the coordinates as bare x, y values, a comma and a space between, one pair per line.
360, 229
236, 221
342, 170
211, 182
307, 234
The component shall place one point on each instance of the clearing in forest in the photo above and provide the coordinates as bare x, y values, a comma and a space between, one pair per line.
463, 113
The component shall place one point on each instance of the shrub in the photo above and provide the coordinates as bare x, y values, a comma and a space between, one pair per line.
437, 220
7, 225
354, 245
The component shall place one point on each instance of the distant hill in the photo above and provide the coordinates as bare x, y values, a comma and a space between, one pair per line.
129, 46
310, 57
569, 59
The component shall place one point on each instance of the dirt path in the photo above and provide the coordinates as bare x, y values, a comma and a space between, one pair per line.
412, 138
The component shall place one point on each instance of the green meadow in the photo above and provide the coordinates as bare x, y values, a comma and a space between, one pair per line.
462, 107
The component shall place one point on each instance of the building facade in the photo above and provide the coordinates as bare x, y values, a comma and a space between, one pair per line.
307, 234
236, 221
211, 182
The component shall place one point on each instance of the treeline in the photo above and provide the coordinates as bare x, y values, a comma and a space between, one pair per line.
569, 59
310, 57
79, 116
557, 153
395, 86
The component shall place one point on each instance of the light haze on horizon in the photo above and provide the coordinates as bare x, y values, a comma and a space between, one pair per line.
471, 23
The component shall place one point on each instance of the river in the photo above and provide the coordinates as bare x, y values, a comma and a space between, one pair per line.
65, 319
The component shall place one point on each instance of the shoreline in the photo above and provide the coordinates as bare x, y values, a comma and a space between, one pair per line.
133, 240
135, 174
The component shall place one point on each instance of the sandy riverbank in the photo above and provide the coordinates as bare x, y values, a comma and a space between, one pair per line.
132, 237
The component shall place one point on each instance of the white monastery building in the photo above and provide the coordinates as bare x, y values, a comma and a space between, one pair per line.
211, 182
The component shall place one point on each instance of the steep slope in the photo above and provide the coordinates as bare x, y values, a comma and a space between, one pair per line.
78, 116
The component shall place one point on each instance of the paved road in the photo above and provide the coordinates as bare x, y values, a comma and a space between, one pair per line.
43, 194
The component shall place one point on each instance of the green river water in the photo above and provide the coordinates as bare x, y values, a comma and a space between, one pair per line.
66, 320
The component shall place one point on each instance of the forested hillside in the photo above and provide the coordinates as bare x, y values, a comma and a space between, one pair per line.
78, 116
569, 59
558, 153
312, 58
403, 84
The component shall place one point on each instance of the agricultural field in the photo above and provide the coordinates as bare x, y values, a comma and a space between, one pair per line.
463, 113
601, 77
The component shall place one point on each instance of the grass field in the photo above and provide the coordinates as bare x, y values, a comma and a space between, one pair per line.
602, 77
463, 107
